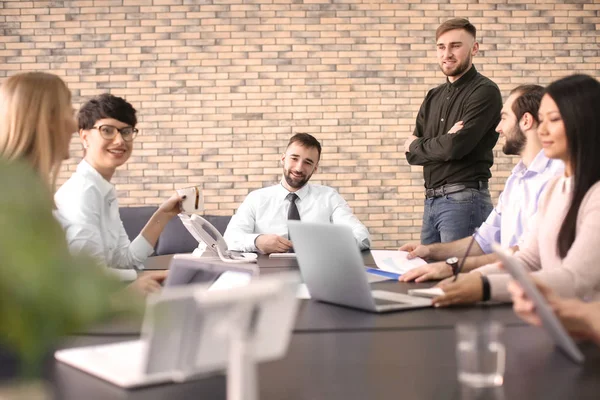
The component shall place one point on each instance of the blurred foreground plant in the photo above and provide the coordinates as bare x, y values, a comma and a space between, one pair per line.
45, 292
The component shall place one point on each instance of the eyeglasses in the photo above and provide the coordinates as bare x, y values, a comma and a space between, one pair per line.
109, 132
462, 262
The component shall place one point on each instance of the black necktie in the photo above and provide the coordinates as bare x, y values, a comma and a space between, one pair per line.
293, 210
292, 213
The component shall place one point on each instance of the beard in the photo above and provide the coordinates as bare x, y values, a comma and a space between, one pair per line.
458, 69
295, 182
515, 142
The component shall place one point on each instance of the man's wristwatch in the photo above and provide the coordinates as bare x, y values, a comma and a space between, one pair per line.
453, 263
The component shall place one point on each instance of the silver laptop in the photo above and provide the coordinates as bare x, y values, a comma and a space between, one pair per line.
334, 272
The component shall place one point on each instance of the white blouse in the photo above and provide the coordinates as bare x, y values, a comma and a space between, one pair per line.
88, 209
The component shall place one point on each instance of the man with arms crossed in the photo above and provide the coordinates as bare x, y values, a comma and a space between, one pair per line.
454, 137
517, 204
260, 224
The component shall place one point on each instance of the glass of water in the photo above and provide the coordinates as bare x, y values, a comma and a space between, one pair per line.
480, 354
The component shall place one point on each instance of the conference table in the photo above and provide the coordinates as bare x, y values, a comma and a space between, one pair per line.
342, 353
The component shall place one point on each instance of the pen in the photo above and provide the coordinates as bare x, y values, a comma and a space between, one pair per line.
462, 262
387, 274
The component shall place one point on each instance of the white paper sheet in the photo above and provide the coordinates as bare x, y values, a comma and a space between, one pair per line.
395, 261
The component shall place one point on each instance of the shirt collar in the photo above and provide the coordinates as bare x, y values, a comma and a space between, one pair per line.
301, 193
85, 169
537, 165
463, 80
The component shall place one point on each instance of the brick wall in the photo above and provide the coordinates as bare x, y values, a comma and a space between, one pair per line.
221, 85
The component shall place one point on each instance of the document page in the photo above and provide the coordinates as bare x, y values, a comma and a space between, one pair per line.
395, 261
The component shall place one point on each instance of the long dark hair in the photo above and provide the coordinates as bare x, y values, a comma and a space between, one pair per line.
578, 100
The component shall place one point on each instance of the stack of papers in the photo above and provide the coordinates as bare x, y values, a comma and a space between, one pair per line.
395, 261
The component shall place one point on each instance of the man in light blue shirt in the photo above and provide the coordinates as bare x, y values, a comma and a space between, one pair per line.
260, 223
508, 223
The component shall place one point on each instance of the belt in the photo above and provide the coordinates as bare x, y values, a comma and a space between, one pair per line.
453, 188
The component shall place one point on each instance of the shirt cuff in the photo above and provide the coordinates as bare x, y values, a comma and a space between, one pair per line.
485, 246
365, 244
250, 242
141, 249
499, 287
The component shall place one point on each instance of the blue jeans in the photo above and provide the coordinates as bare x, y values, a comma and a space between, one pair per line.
455, 216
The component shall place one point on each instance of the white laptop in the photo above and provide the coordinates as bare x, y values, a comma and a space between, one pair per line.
333, 270
187, 333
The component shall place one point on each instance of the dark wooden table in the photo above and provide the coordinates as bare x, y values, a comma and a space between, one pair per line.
342, 353
388, 364
264, 261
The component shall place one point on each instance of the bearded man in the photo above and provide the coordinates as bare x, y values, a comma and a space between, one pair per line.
454, 137
508, 222
260, 223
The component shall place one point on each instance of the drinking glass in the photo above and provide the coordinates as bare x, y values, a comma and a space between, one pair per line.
480, 354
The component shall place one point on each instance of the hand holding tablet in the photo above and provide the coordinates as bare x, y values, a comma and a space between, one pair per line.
548, 318
193, 202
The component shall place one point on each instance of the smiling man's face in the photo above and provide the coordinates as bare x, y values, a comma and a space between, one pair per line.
299, 164
455, 52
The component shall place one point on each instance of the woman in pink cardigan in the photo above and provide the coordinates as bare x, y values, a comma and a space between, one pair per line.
563, 248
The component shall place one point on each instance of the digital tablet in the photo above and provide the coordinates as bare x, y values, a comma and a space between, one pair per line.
186, 270
549, 320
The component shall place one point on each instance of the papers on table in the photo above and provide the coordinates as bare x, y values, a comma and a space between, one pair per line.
395, 261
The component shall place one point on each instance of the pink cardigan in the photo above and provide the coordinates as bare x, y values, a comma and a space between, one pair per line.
576, 275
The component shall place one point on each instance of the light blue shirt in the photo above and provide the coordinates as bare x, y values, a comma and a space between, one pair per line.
518, 203
265, 211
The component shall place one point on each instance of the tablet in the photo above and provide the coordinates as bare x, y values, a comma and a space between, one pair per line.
549, 320
187, 270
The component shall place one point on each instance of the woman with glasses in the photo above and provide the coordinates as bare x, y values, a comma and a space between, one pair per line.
36, 127
87, 203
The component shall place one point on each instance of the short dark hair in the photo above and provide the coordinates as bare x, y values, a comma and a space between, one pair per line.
306, 140
578, 100
456, 23
105, 106
530, 97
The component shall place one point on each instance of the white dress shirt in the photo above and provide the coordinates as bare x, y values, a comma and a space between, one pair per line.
88, 209
264, 211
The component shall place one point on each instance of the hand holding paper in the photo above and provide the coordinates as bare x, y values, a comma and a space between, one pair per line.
395, 261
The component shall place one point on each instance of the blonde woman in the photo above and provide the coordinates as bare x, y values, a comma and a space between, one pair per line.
36, 126
36, 122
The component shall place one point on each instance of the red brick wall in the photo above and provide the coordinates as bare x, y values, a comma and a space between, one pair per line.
221, 85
